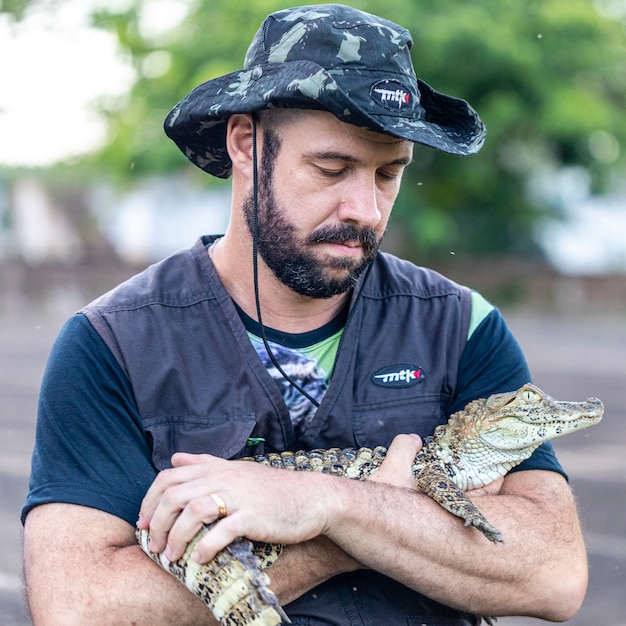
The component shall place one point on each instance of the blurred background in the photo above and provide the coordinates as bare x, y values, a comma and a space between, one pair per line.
92, 191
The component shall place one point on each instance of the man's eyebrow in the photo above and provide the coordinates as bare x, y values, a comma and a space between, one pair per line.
332, 155
407, 160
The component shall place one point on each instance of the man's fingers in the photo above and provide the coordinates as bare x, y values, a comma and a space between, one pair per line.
397, 467
220, 536
183, 471
200, 511
184, 458
172, 490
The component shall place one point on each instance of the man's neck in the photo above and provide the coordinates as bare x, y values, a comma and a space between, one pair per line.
281, 308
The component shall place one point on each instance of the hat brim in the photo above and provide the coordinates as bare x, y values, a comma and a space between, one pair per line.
197, 124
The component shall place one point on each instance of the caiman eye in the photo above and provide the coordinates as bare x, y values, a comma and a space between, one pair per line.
530, 396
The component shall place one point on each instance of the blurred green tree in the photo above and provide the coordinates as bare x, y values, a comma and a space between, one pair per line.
14, 8
548, 78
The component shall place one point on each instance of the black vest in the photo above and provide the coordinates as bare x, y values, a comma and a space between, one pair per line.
200, 387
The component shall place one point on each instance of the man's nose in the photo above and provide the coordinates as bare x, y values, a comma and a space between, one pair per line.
360, 204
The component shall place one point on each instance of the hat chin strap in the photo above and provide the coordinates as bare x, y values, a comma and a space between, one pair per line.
255, 265
255, 273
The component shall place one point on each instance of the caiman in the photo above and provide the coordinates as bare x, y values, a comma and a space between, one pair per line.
478, 445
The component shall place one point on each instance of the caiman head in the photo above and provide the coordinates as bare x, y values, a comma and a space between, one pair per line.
527, 417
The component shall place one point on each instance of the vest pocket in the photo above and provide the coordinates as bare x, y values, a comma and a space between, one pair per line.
439, 621
224, 437
376, 424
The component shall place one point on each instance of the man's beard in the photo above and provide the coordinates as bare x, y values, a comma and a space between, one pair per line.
292, 260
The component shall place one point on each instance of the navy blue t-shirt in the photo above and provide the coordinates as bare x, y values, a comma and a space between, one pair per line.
91, 448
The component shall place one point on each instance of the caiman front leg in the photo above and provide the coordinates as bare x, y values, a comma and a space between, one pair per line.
433, 482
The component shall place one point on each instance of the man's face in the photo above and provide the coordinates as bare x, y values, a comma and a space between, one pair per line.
326, 190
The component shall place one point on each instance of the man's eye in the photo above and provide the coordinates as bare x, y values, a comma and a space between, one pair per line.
331, 173
388, 176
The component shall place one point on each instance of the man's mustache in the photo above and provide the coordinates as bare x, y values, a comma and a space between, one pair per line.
345, 233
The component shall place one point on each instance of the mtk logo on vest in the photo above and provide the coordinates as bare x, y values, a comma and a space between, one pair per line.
398, 376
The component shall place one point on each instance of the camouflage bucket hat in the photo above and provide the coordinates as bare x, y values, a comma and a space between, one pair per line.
333, 58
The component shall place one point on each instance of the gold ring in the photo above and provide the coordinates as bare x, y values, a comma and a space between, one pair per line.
221, 507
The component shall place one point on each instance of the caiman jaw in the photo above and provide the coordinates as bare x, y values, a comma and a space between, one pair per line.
531, 417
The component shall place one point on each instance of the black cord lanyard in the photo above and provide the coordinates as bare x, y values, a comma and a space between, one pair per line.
255, 269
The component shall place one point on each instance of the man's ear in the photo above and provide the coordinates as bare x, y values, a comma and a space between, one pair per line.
239, 143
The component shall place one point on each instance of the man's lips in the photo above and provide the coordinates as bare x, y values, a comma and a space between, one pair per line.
351, 248
347, 241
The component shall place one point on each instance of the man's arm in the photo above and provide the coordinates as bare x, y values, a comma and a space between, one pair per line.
539, 571
83, 566
82, 563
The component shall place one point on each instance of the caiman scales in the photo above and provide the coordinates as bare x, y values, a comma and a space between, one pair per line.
477, 446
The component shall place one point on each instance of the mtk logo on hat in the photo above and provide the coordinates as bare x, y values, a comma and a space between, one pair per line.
392, 95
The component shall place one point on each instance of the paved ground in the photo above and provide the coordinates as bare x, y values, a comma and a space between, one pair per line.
572, 359
575, 359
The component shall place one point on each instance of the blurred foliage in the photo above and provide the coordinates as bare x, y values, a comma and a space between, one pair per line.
548, 77
14, 8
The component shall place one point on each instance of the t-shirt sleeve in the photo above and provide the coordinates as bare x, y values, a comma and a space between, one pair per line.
493, 362
90, 447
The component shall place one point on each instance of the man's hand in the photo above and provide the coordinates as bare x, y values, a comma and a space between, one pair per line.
262, 503
396, 469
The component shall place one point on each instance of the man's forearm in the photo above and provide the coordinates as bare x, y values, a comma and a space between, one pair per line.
431, 551
130, 589
389, 526
96, 585
303, 566
90, 584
